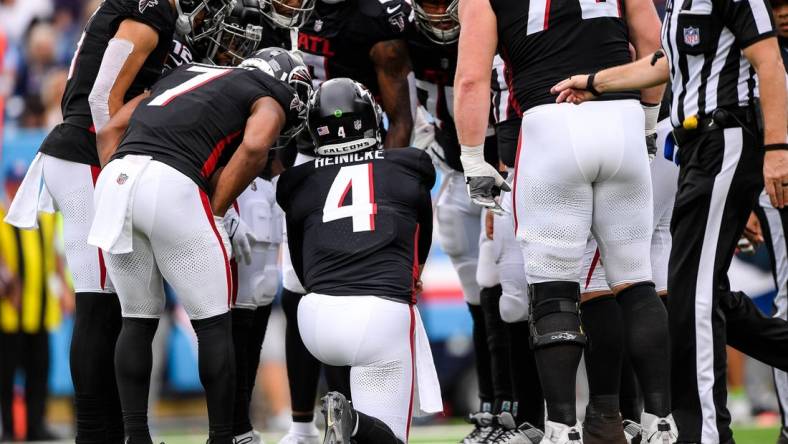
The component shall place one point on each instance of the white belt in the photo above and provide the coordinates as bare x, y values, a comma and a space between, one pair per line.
32, 197
114, 200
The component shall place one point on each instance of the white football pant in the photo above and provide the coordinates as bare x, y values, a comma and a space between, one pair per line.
375, 337
584, 168
71, 186
459, 228
174, 237
258, 282
664, 179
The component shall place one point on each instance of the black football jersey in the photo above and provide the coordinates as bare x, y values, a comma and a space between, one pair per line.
359, 224
337, 38
546, 41
195, 117
101, 27
434, 67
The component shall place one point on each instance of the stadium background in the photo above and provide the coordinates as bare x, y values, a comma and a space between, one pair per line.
37, 39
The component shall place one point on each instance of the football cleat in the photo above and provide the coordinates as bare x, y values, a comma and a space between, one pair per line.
250, 437
340, 418
632, 432
557, 433
294, 438
525, 433
483, 427
783, 438
502, 423
658, 430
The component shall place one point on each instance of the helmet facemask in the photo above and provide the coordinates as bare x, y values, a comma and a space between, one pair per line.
441, 27
287, 13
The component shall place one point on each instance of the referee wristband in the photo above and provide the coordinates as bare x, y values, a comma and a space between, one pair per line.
590, 85
775, 146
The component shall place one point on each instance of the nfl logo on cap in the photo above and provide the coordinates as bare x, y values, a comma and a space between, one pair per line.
692, 36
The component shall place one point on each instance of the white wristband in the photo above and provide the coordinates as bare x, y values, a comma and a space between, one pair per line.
652, 115
472, 158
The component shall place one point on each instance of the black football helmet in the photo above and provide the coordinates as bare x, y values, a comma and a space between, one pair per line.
438, 20
221, 32
286, 66
287, 13
343, 117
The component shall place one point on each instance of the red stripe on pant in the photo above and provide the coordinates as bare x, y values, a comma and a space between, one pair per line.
94, 172
412, 367
591, 269
206, 205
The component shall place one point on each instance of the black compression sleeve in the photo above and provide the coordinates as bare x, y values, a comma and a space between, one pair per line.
425, 225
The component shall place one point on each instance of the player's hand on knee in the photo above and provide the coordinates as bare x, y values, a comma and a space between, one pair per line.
775, 176
241, 236
483, 181
218, 221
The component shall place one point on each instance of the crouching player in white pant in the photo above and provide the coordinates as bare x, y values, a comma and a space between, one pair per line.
359, 224
255, 224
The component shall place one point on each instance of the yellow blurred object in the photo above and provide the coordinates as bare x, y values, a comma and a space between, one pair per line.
690, 123
32, 254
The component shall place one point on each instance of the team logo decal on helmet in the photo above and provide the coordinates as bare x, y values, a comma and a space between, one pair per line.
343, 118
288, 67
145, 4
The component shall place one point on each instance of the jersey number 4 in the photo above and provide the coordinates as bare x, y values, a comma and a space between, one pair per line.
362, 208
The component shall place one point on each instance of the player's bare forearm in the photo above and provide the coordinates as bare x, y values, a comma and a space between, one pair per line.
109, 137
478, 41
144, 38
765, 58
249, 159
392, 65
640, 74
647, 72
644, 30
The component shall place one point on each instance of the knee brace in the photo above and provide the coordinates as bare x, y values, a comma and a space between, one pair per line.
555, 314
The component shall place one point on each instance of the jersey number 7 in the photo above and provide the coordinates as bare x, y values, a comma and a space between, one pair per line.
205, 74
362, 209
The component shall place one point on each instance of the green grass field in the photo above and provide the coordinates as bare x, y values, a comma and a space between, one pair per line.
453, 433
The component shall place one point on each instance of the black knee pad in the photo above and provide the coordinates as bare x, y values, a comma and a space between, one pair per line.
290, 300
555, 314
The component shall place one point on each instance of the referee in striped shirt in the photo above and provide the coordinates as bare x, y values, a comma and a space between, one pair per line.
721, 56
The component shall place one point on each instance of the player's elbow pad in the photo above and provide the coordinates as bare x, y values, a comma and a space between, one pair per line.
115, 56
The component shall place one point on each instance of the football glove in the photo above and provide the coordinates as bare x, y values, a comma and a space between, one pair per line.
241, 236
483, 181
218, 221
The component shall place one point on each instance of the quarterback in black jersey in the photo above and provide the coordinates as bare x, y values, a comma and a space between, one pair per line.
196, 121
364, 40
120, 53
578, 170
360, 226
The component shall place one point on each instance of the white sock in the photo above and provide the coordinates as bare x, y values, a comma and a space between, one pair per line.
304, 428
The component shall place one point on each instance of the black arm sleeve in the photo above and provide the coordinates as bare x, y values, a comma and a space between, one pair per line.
295, 242
425, 226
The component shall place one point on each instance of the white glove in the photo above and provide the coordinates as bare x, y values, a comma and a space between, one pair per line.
219, 222
241, 236
483, 181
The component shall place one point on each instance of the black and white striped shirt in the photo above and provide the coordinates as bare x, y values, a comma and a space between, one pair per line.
703, 40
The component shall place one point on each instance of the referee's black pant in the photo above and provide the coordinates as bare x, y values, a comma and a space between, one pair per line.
720, 178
